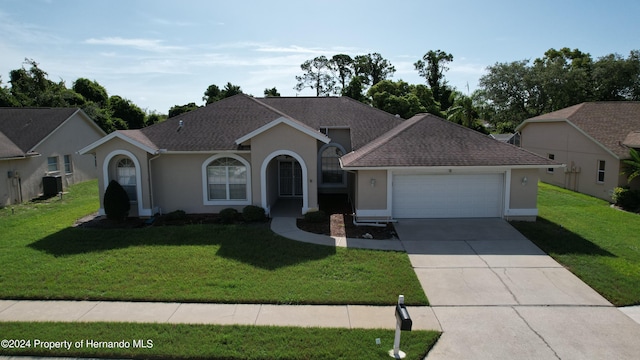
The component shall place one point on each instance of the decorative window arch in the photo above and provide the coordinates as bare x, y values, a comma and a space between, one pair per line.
126, 177
226, 180
329, 171
109, 169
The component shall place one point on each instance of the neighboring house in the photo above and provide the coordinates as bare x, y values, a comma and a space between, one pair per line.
38, 151
243, 150
592, 139
513, 139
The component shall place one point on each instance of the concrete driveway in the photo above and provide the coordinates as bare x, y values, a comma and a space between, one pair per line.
498, 296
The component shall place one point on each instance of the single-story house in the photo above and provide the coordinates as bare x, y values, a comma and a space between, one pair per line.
591, 138
244, 150
38, 151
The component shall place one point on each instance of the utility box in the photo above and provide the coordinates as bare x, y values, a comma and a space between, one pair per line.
51, 185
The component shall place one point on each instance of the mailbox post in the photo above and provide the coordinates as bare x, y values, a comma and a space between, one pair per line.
403, 323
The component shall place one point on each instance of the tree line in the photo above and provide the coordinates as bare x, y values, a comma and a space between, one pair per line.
507, 93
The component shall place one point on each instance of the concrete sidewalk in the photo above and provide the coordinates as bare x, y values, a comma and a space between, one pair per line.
331, 316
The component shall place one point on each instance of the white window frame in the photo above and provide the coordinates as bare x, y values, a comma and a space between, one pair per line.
205, 181
68, 164
320, 177
551, 157
135, 177
601, 171
50, 163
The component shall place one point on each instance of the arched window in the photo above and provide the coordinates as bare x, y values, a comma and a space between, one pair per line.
227, 179
126, 174
331, 173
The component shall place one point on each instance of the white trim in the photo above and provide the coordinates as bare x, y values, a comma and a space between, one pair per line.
263, 179
521, 212
506, 196
105, 176
458, 169
119, 135
205, 181
283, 120
385, 213
344, 173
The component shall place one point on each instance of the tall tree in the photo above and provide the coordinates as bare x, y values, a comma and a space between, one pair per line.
6, 99
401, 98
373, 67
91, 91
317, 76
181, 109
214, 93
355, 90
432, 67
126, 110
31, 87
342, 64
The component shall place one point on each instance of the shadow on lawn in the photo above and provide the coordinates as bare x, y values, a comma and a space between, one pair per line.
555, 239
254, 245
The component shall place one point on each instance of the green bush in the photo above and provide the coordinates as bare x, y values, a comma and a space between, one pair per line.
228, 215
116, 202
627, 199
252, 213
315, 216
176, 215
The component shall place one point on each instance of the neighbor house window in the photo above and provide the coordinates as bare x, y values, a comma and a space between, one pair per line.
601, 165
330, 171
126, 173
68, 167
52, 164
227, 179
551, 157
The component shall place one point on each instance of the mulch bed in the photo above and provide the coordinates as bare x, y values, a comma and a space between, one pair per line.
341, 225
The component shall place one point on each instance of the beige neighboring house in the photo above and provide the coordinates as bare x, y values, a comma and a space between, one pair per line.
38, 151
591, 138
244, 150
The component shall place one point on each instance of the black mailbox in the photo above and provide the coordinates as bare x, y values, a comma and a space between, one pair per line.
403, 317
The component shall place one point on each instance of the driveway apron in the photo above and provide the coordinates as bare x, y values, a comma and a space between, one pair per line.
498, 296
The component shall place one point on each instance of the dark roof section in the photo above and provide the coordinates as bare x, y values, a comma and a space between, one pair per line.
366, 122
219, 124
27, 127
608, 122
427, 140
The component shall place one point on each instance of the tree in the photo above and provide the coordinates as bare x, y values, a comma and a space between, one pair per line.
317, 76
213, 92
273, 92
401, 98
91, 91
432, 67
373, 68
464, 112
355, 90
181, 109
343, 65
116, 202
632, 165
126, 110
616, 78
6, 99
32, 87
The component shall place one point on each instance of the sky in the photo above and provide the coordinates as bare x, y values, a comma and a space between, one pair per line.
164, 53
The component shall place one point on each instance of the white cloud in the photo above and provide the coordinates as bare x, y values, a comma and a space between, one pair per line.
152, 45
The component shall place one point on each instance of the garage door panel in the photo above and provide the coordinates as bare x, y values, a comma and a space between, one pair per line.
447, 196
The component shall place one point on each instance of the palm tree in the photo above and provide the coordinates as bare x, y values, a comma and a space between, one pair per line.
462, 112
632, 168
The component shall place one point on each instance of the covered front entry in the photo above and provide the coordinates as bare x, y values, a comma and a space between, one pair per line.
448, 195
284, 175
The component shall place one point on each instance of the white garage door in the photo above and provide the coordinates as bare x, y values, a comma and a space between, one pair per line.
447, 196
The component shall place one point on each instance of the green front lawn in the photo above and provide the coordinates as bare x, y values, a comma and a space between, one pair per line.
43, 257
599, 244
179, 341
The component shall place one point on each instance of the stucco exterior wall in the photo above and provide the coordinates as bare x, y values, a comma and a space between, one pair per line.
578, 152
368, 196
283, 139
71, 136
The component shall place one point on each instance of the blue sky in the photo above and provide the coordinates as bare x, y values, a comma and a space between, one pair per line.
162, 53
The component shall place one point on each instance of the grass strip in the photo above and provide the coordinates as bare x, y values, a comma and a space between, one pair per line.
596, 242
181, 341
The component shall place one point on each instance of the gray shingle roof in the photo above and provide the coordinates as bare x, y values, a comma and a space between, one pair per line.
608, 122
427, 140
218, 125
21, 129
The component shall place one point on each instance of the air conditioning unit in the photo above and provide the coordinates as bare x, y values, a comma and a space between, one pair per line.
51, 185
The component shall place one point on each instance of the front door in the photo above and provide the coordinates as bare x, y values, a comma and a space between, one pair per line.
290, 178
